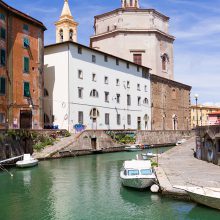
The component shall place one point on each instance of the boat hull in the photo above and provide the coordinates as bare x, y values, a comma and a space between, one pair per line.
25, 164
205, 200
133, 149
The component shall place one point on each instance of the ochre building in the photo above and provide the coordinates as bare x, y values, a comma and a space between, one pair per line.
21, 69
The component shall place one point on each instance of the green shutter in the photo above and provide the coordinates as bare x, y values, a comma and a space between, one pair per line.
2, 57
3, 33
26, 89
2, 17
26, 27
26, 65
26, 42
2, 86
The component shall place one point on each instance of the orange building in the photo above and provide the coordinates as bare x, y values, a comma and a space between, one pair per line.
21, 69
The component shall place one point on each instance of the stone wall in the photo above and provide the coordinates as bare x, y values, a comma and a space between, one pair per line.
161, 137
170, 102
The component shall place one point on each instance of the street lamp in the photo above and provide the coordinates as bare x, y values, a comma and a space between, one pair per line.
197, 119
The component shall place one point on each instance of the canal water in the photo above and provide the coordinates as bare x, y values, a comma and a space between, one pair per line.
86, 187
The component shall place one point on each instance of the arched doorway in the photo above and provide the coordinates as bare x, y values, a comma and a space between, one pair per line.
175, 122
94, 114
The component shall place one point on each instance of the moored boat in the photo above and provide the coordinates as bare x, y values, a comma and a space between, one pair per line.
137, 174
204, 195
134, 147
28, 161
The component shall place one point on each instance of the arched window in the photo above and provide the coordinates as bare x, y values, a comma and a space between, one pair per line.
94, 93
94, 113
165, 61
173, 93
61, 35
46, 93
145, 101
71, 34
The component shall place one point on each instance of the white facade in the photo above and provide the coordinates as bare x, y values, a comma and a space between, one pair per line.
71, 68
138, 35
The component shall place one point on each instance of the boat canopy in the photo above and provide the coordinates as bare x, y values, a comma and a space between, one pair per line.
137, 164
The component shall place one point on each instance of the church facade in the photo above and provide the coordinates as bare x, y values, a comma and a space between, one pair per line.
124, 80
136, 34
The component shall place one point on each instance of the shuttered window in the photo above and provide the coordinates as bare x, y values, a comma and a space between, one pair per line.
2, 16
2, 85
26, 42
3, 33
3, 56
80, 117
26, 65
26, 89
25, 27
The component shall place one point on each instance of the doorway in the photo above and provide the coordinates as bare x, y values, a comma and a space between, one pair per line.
26, 119
94, 143
139, 123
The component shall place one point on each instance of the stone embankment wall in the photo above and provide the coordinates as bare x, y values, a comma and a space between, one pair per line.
161, 137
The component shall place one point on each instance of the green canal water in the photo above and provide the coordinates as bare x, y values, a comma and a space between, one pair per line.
86, 187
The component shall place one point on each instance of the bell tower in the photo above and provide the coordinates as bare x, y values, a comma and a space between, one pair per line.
130, 4
66, 27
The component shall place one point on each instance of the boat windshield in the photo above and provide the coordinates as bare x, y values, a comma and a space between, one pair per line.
146, 172
133, 172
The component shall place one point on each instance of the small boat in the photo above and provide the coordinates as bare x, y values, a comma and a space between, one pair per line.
134, 147
204, 195
28, 161
180, 142
149, 155
137, 174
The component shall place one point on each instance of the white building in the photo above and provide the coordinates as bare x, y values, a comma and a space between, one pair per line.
98, 90
136, 34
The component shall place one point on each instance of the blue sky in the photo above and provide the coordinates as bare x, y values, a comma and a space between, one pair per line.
194, 23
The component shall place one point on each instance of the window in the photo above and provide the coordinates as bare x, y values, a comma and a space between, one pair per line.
117, 82
25, 27
165, 60
61, 35
138, 69
108, 28
46, 93
133, 172
2, 118
94, 113
79, 50
128, 84
106, 80
139, 101
26, 42
173, 94
27, 89
107, 118
2, 17
117, 61
26, 65
127, 65
106, 58
106, 96
138, 87
3, 33
145, 74
129, 119
145, 88
145, 101
93, 59
94, 93
80, 92
80, 117
2, 86
146, 172
128, 100
71, 34
118, 119
80, 74
137, 58
118, 98
3, 57
94, 77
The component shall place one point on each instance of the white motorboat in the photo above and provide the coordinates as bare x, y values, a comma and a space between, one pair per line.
134, 147
204, 195
28, 161
150, 155
137, 174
